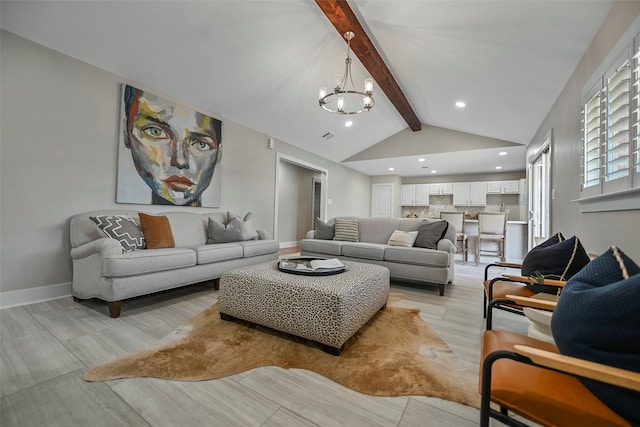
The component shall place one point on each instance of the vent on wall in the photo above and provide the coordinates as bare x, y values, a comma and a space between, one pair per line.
328, 135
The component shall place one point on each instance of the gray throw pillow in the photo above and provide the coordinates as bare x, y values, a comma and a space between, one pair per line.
430, 233
247, 228
324, 231
122, 228
220, 233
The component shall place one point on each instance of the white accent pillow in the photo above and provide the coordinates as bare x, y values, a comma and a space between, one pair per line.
402, 238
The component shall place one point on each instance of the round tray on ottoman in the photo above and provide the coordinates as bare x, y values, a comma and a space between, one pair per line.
311, 266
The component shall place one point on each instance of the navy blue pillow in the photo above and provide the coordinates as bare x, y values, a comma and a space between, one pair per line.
598, 319
556, 259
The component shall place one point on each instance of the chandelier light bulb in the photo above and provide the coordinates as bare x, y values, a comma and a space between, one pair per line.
339, 82
340, 103
323, 92
368, 86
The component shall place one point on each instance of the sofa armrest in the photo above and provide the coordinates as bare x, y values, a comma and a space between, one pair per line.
104, 246
447, 246
264, 235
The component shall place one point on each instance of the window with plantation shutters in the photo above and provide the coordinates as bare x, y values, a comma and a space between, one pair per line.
611, 129
591, 157
618, 123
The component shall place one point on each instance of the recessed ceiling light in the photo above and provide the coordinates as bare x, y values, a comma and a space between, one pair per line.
502, 153
498, 167
421, 160
434, 171
348, 123
460, 104
391, 169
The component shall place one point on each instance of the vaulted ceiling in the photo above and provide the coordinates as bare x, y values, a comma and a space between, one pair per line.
260, 63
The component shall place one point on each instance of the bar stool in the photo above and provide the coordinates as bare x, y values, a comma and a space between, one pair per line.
457, 220
492, 227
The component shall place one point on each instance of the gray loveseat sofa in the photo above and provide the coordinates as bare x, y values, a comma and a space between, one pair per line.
102, 270
412, 264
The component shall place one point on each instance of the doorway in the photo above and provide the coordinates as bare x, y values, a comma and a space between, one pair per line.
296, 202
316, 200
539, 171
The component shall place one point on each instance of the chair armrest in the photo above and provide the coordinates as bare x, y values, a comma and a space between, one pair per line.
533, 302
104, 246
580, 367
501, 265
508, 264
523, 279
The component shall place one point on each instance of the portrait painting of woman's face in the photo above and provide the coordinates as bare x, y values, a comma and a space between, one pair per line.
169, 154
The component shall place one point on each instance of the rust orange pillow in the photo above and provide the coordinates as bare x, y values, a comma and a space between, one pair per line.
157, 231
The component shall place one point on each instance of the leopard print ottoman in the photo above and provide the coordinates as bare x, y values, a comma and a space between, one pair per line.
325, 309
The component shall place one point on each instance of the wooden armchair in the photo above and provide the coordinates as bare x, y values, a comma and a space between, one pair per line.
530, 378
497, 288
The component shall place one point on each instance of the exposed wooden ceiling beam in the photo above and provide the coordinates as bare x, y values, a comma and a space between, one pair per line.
343, 19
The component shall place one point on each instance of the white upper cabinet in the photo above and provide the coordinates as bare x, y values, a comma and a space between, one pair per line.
470, 194
415, 195
441, 189
479, 193
503, 187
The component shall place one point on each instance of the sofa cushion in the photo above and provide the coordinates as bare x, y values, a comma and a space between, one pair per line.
206, 254
259, 247
329, 247
156, 230
555, 259
346, 230
324, 231
417, 256
378, 230
122, 228
597, 319
402, 238
148, 261
430, 233
247, 227
374, 251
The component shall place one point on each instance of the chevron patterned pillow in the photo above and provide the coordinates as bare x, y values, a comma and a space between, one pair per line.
122, 228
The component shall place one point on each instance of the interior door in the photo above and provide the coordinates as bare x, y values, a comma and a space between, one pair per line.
382, 200
540, 195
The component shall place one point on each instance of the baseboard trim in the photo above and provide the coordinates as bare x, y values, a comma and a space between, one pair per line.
34, 295
284, 245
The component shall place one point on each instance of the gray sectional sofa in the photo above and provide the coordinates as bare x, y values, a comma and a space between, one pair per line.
102, 270
412, 264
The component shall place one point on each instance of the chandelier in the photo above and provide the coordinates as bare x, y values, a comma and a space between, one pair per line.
344, 99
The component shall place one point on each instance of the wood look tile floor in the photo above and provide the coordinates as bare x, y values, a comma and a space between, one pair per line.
46, 347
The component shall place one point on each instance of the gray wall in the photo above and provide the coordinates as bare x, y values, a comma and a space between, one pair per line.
597, 230
58, 158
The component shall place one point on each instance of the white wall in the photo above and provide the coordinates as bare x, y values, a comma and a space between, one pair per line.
597, 230
58, 157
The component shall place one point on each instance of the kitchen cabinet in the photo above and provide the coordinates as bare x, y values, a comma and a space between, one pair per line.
441, 189
470, 194
503, 187
415, 195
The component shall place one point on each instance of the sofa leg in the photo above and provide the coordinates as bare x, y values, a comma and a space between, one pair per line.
216, 284
114, 308
441, 288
